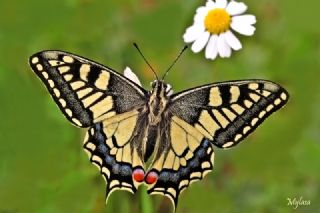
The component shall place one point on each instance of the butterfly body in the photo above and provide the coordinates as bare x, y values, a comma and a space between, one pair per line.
161, 139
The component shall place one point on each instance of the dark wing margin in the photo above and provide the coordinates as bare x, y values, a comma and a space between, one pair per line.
85, 91
227, 112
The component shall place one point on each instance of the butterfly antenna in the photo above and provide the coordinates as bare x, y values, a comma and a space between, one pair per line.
144, 58
174, 62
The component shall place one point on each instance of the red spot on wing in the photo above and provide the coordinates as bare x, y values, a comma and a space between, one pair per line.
151, 177
138, 175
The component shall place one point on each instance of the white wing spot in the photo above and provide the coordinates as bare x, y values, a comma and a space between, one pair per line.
254, 97
205, 165
39, 67
106, 171
246, 129
51, 83
62, 102
238, 137
69, 112
195, 175
183, 183
253, 86
68, 59
283, 96
56, 92
277, 101
248, 104
91, 146
45, 75
76, 121
63, 69
55, 62
262, 114
68, 77
254, 121
228, 144
35, 60
266, 93
270, 107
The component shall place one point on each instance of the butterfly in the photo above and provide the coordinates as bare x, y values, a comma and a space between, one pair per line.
155, 137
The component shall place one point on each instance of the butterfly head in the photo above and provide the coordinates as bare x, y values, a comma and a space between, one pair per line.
160, 87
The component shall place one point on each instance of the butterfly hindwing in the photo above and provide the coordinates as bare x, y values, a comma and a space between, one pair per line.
188, 158
85, 91
226, 113
110, 145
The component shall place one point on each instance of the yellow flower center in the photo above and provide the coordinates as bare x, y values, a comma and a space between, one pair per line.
217, 21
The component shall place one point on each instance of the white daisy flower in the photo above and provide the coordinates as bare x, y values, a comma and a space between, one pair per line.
213, 28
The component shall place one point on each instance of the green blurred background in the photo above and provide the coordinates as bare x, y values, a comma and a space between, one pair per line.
42, 165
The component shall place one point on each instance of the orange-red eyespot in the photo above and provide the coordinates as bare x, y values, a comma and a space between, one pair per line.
138, 175
151, 177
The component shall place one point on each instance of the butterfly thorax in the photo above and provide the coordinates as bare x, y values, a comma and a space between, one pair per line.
155, 108
157, 102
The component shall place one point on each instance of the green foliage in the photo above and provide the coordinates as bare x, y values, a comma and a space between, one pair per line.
42, 165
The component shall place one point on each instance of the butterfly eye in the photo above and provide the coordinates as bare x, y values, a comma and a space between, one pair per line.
153, 83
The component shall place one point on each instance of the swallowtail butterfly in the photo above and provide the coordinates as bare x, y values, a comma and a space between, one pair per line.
129, 126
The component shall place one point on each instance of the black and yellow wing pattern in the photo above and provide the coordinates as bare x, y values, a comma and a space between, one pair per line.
92, 95
222, 114
128, 125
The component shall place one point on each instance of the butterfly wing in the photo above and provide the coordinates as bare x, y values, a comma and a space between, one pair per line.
85, 91
226, 113
223, 114
92, 95
186, 156
113, 146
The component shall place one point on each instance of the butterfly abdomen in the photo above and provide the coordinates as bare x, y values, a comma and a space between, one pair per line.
152, 136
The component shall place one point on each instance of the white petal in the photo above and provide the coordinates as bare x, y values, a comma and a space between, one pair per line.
210, 4
243, 28
223, 48
221, 3
232, 40
199, 17
245, 19
192, 33
236, 8
201, 9
212, 48
129, 74
201, 42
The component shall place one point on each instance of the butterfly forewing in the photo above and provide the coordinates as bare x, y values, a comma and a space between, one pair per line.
225, 113
85, 91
